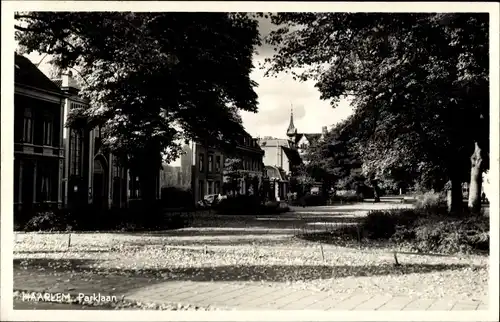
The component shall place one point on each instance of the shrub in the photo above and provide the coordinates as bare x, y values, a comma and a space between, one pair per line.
429, 231
346, 196
431, 201
451, 235
312, 200
89, 218
238, 205
274, 207
382, 224
52, 220
172, 197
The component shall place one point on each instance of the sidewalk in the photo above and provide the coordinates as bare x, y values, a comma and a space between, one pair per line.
232, 296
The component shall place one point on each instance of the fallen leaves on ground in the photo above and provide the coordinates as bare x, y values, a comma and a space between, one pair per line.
274, 260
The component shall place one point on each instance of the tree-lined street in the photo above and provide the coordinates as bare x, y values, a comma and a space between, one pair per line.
398, 218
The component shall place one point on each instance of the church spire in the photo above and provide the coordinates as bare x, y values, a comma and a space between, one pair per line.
291, 128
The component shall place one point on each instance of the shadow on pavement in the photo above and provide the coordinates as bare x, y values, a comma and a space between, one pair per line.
269, 273
249, 241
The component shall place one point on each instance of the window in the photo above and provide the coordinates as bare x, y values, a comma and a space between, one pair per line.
45, 184
202, 162
28, 126
211, 163
134, 187
75, 148
303, 146
47, 131
218, 164
116, 170
210, 187
217, 187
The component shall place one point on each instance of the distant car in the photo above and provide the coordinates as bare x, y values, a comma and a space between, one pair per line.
213, 199
209, 199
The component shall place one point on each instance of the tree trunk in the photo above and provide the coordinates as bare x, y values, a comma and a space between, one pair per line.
376, 191
454, 195
476, 180
148, 186
148, 170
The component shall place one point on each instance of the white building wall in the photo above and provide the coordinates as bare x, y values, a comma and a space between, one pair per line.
275, 156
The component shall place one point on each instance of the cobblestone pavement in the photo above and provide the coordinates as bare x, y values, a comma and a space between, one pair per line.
232, 296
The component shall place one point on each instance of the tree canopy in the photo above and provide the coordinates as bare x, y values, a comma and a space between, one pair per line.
146, 73
419, 84
152, 78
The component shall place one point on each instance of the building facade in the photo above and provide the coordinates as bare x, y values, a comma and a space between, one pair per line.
277, 184
206, 169
38, 139
250, 169
57, 166
92, 175
280, 153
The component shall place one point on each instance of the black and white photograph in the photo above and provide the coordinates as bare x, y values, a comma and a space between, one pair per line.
213, 160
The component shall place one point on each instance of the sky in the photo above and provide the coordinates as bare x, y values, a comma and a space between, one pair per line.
276, 97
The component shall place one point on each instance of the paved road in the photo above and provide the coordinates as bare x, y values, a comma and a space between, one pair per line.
230, 295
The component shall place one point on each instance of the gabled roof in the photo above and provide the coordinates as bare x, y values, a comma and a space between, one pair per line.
26, 73
311, 137
292, 155
58, 82
274, 142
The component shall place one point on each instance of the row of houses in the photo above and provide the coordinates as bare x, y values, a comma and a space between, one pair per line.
272, 159
203, 169
56, 166
275, 160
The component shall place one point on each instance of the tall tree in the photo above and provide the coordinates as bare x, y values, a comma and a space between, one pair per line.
152, 78
333, 160
418, 79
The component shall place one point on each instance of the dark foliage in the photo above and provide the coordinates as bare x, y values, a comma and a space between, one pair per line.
248, 206
91, 219
172, 197
239, 205
429, 230
346, 199
310, 200
382, 224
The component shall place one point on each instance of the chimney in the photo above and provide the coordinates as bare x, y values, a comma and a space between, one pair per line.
324, 130
65, 80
